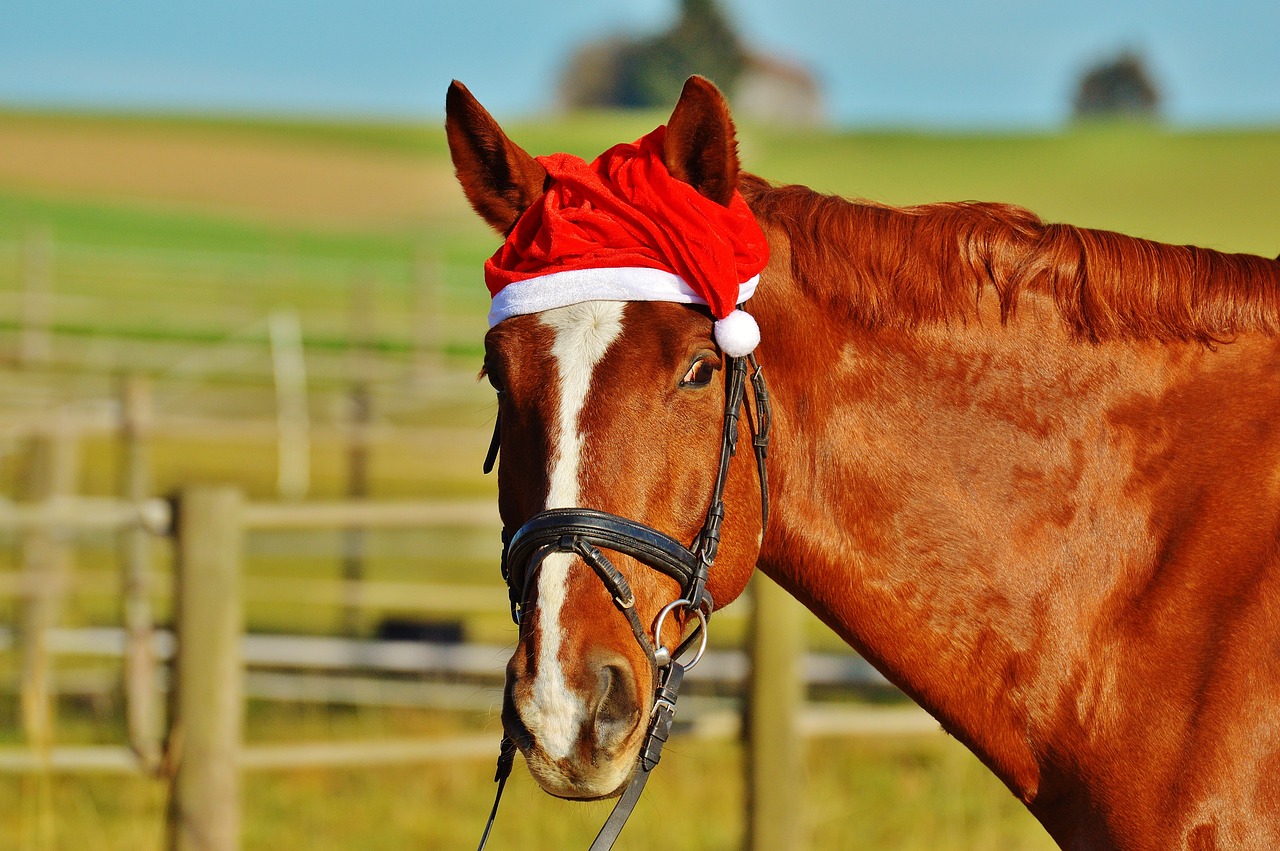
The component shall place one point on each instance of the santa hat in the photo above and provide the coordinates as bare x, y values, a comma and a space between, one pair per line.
623, 229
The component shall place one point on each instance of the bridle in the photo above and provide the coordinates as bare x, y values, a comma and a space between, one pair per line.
584, 531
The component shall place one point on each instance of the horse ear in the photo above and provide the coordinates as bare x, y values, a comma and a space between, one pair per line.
499, 178
701, 147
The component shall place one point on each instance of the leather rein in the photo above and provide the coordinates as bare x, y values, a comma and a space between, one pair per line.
584, 531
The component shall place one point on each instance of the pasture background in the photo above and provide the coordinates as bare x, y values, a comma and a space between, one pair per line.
172, 239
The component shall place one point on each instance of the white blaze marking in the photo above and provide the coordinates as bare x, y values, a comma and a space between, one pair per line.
583, 334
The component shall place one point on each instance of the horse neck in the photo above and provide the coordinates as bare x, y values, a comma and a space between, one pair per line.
958, 504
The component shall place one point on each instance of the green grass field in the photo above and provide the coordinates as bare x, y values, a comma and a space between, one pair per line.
173, 237
922, 793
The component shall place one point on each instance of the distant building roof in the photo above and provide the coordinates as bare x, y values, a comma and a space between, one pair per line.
778, 91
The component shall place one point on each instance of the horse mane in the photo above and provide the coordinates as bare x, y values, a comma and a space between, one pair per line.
908, 266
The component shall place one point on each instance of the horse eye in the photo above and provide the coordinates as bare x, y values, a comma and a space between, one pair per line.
700, 374
493, 379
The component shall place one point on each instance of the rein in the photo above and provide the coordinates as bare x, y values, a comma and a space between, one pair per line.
584, 531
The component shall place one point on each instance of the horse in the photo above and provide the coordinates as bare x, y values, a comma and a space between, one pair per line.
1029, 471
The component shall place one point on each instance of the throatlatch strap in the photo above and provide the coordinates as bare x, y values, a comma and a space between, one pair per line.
762, 424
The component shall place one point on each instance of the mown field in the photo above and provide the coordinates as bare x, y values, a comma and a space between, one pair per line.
173, 237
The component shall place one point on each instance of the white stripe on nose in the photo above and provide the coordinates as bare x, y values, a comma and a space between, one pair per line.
583, 333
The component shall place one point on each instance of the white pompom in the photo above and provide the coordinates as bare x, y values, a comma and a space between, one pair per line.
737, 334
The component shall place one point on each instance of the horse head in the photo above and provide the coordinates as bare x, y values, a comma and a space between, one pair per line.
616, 406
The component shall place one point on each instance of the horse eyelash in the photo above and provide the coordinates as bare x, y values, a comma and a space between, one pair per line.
483, 374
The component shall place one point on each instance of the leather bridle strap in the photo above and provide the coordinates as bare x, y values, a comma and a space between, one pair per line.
506, 759
616, 584
550, 528
661, 719
664, 713
762, 425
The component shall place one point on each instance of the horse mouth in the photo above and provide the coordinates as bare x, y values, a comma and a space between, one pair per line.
589, 774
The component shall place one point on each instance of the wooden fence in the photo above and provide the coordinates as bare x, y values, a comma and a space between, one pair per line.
208, 693
52, 290
202, 748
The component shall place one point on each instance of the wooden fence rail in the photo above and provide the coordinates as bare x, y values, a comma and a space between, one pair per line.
49, 290
83, 514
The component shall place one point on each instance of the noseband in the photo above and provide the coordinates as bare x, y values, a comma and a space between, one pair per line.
585, 531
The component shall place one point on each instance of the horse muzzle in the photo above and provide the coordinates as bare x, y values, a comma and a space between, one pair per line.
580, 744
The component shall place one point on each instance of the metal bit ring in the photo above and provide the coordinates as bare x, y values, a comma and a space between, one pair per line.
662, 655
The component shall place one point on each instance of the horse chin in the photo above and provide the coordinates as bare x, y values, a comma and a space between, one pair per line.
588, 773
602, 779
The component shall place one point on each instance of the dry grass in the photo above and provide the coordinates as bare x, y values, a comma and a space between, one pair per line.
286, 181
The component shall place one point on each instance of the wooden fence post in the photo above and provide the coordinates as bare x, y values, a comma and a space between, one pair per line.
774, 697
52, 473
207, 715
293, 421
135, 562
362, 333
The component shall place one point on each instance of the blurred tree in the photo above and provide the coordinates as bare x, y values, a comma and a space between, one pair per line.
642, 72
1121, 87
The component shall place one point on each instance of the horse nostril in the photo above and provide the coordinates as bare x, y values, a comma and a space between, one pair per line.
617, 706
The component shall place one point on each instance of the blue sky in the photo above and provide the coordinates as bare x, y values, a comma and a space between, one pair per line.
931, 63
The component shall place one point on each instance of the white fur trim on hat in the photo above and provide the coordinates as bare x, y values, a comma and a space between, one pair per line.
737, 334
631, 283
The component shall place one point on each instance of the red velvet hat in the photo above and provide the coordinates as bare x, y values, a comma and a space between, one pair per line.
623, 229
